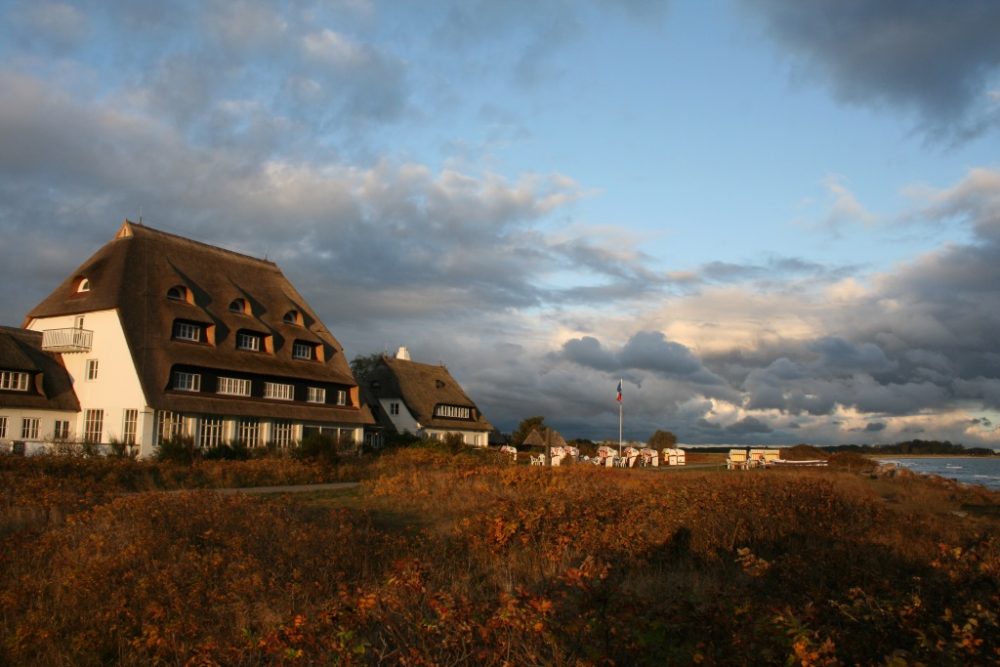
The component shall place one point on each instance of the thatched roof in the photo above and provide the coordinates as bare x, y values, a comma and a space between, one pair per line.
51, 389
133, 274
537, 438
422, 388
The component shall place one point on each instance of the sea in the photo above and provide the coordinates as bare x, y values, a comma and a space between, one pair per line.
971, 470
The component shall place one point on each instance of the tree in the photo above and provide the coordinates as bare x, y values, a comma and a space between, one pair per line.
525, 428
662, 440
363, 365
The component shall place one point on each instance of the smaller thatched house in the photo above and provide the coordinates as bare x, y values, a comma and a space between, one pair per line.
423, 399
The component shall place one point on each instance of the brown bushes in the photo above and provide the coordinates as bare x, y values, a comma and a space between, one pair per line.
485, 564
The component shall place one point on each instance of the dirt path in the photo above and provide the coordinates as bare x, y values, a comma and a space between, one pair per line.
294, 488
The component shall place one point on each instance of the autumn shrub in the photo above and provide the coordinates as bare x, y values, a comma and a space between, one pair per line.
179, 449
456, 560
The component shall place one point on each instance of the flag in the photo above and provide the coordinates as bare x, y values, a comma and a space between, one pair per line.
619, 391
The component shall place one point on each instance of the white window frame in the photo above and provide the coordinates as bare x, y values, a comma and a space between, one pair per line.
282, 432
394, 408
3, 427
184, 381
453, 412
187, 331
233, 386
248, 341
279, 391
14, 380
130, 425
211, 432
92, 368
29, 428
305, 351
248, 431
341, 397
93, 425
60, 429
316, 395
169, 425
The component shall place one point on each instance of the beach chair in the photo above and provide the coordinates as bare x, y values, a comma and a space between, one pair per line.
737, 459
771, 455
756, 459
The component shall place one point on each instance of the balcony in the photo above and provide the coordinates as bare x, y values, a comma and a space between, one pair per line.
67, 340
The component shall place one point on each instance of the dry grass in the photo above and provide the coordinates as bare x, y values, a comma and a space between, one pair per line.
445, 560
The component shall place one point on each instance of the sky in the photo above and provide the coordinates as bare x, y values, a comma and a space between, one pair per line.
777, 222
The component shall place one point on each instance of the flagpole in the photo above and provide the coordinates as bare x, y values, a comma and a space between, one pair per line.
621, 404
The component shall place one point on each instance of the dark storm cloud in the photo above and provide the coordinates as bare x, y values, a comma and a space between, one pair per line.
933, 58
874, 427
748, 425
647, 351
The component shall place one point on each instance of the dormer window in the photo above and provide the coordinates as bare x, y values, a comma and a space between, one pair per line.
82, 285
247, 340
239, 306
189, 331
14, 380
179, 293
453, 411
293, 317
302, 350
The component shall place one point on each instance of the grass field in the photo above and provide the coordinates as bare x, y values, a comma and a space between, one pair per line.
440, 559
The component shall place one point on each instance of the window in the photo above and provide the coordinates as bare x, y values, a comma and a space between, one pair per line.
91, 369
316, 395
238, 306
177, 293
341, 397
292, 317
394, 408
3, 427
61, 430
29, 428
303, 350
82, 285
233, 387
452, 411
281, 433
93, 425
14, 380
283, 392
130, 422
247, 432
248, 341
187, 331
187, 381
170, 425
211, 432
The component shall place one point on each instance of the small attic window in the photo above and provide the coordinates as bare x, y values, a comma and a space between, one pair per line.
82, 285
178, 293
239, 306
293, 317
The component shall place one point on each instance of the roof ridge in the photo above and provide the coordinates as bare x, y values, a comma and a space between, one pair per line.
208, 246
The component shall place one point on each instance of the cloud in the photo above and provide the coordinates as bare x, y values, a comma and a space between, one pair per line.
933, 59
748, 425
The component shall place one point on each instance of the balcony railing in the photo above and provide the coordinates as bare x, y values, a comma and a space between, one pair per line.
67, 340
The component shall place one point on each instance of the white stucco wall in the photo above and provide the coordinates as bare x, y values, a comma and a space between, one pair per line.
404, 422
117, 387
46, 425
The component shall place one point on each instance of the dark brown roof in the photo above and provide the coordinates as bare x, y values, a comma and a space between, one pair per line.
134, 272
422, 387
51, 387
537, 438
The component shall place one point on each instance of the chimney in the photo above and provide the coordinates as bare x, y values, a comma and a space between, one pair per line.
403, 353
